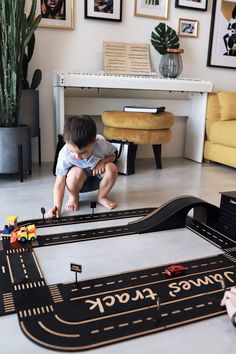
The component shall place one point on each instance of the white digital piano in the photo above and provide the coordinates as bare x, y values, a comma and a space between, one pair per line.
194, 89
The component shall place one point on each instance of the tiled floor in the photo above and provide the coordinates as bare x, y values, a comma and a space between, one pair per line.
147, 187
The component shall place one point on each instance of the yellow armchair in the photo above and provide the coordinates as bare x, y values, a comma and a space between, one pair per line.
220, 142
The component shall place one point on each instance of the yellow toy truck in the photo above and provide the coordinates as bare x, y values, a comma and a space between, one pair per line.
24, 233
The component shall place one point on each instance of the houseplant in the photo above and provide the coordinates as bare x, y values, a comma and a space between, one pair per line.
16, 30
166, 42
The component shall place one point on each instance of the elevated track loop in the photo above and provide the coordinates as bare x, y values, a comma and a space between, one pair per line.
173, 214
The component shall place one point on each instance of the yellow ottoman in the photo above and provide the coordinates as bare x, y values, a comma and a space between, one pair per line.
139, 128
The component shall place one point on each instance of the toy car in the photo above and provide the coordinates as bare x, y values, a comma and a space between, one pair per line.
12, 224
24, 233
7, 229
174, 270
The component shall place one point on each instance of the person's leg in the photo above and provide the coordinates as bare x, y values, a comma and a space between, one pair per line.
106, 184
74, 182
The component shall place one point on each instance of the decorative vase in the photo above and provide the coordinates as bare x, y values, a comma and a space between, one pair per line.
171, 64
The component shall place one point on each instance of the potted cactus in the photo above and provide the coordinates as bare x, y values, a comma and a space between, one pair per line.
16, 30
166, 42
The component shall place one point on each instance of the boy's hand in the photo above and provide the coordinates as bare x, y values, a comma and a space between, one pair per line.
99, 169
54, 213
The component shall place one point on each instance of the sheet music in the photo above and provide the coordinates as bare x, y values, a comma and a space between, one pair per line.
126, 58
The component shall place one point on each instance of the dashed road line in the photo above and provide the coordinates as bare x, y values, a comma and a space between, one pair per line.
139, 321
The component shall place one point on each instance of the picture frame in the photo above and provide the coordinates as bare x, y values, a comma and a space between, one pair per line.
200, 5
151, 8
188, 28
221, 49
97, 10
62, 17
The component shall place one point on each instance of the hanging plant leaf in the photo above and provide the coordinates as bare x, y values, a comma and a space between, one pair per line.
164, 37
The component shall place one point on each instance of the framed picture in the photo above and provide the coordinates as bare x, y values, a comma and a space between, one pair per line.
222, 41
151, 8
192, 4
110, 10
188, 28
56, 14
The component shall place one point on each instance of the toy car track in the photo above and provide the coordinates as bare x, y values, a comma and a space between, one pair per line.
207, 232
96, 312
101, 311
77, 219
86, 235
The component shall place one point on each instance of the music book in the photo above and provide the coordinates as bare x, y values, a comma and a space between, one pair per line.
154, 110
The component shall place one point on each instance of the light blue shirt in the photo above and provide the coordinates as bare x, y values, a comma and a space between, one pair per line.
101, 149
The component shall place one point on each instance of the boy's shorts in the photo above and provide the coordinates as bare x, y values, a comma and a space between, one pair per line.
91, 184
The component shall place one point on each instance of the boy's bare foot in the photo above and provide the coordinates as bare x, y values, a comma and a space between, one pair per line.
72, 204
109, 204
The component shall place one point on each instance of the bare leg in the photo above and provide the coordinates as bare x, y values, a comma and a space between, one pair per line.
106, 185
74, 182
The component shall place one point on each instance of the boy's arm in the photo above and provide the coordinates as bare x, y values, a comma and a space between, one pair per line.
99, 169
58, 195
110, 158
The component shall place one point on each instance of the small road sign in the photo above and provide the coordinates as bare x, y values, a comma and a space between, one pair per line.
77, 268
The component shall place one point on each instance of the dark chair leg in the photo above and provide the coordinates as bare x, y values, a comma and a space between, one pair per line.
157, 153
30, 158
132, 157
20, 155
39, 147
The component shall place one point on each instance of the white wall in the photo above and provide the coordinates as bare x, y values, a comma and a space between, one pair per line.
80, 50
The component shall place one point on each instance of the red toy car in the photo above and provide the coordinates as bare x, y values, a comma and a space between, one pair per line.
174, 270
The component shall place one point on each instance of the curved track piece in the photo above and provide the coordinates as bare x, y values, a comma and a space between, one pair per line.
173, 214
124, 306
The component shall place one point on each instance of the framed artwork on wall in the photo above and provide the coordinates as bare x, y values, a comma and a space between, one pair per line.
192, 4
56, 14
110, 10
151, 8
222, 41
188, 28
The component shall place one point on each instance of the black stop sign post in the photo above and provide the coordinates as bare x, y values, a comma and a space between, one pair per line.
77, 268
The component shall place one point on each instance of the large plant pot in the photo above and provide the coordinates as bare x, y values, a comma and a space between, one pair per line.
29, 115
15, 150
29, 111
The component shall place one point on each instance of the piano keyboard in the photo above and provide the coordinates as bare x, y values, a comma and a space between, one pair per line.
151, 76
133, 82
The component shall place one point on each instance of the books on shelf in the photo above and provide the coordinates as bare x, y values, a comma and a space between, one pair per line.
154, 110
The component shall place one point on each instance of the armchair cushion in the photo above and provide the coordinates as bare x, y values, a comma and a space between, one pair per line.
213, 111
223, 133
227, 102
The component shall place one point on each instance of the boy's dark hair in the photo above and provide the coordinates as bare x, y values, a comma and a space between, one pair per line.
80, 131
